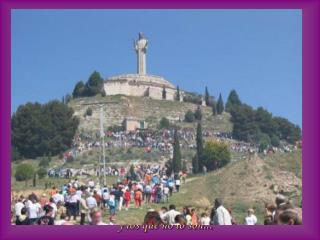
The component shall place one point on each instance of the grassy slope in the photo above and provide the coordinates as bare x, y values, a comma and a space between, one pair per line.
118, 107
240, 184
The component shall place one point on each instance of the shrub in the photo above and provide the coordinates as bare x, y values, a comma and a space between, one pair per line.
44, 162
215, 155
192, 98
89, 112
70, 159
42, 172
198, 114
24, 172
189, 116
164, 123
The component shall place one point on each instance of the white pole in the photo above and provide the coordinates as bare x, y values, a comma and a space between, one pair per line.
103, 146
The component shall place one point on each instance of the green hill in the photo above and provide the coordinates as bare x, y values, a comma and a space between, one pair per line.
243, 184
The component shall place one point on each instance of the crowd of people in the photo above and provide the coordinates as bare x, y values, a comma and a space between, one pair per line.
161, 140
146, 184
282, 213
89, 203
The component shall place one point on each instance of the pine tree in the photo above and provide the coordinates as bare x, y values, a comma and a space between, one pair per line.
198, 114
199, 142
207, 97
220, 105
78, 90
214, 108
176, 160
233, 100
164, 93
195, 164
178, 94
94, 85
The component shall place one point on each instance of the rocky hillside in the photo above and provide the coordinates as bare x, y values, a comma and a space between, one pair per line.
116, 108
243, 184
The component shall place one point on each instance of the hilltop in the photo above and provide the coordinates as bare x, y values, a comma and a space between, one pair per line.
117, 107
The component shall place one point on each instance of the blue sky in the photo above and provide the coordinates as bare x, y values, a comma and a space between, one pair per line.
256, 52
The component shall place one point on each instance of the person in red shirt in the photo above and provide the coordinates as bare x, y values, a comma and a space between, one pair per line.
138, 198
127, 198
97, 197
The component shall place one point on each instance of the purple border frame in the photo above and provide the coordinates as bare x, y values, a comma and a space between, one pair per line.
311, 129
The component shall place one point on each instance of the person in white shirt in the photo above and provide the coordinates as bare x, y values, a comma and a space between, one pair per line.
72, 203
205, 220
166, 194
17, 208
58, 197
54, 207
221, 215
105, 197
91, 202
169, 217
177, 184
251, 219
91, 184
34, 211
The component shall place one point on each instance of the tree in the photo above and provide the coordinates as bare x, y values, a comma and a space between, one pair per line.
15, 155
207, 97
38, 130
215, 155
192, 98
233, 100
286, 130
198, 114
214, 109
199, 143
78, 90
164, 93
67, 98
195, 164
189, 116
24, 172
275, 141
164, 123
44, 162
42, 172
176, 160
245, 127
168, 166
178, 94
252, 125
220, 105
94, 85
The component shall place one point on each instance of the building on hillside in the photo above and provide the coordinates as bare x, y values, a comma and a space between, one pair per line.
141, 84
132, 124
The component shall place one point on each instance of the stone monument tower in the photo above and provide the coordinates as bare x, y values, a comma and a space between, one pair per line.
141, 84
140, 46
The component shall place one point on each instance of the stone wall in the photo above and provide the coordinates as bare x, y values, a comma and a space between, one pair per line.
137, 89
